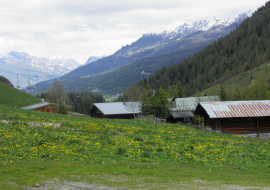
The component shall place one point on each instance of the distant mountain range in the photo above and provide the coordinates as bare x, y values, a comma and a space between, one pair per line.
33, 68
151, 52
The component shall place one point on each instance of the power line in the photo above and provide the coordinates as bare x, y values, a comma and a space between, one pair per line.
30, 70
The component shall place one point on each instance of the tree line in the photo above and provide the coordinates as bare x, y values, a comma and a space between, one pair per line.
79, 101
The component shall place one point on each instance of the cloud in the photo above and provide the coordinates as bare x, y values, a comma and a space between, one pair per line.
80, 29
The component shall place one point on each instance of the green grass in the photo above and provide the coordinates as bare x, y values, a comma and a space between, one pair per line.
124, 153
12, 97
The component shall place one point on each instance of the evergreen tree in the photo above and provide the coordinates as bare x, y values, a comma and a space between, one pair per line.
146, 103
180, 90
222, 92
172, 91
236, 93
161, 104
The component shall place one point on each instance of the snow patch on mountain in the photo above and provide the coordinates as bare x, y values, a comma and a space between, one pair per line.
204, 25
33, 68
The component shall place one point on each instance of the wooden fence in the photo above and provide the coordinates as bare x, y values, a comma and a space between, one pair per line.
154, 120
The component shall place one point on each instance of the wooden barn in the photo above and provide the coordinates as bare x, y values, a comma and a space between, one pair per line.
236, 116
42, 107
182, 108
119, 110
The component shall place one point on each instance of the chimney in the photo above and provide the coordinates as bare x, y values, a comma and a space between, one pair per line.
42, 101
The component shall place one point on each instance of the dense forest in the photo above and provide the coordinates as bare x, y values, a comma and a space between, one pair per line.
244, 49
82, 102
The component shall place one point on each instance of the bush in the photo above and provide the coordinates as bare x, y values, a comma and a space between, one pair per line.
146, 154
137, 138
62, 109
121, 151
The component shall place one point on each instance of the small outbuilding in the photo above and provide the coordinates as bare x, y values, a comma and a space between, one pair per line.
182, 108
236, 116
119, 110
42, 107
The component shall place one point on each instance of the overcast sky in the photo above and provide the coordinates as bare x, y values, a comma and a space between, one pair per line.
82, 28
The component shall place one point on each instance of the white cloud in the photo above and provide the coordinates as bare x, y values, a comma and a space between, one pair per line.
79, 29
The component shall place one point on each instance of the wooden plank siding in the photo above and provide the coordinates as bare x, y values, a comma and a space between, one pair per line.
45, 109
239, 125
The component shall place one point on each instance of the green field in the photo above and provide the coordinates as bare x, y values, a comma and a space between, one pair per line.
41, 150
12, 97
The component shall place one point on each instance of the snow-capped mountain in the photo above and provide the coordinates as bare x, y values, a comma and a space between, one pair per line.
212, 25
23, 69
204, 25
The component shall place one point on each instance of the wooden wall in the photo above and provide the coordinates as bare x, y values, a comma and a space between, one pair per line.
239, 125
45, 109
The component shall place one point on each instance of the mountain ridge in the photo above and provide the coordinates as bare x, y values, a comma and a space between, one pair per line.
143, 52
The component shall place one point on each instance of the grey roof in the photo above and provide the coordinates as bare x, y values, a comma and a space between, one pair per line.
35, 106
233, 109
182, 114
191, 103
118, 108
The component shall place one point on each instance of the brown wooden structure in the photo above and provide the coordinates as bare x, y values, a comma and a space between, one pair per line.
236, 117
42, 107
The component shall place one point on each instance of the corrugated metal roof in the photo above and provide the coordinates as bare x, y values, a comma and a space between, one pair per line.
191, 103
237, 109
118, 108
35, 106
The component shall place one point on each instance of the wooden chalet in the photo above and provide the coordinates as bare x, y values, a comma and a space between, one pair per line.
236, 116
119, 110
42, 107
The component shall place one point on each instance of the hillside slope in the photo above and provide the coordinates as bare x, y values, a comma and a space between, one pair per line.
15, 98
243, 80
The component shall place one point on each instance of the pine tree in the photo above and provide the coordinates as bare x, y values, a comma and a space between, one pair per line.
222, 92
161, 104
180, 90
146, 103
236, 93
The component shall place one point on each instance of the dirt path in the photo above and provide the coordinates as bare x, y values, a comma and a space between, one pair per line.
197, 184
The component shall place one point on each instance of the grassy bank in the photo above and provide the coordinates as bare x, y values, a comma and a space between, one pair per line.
15, 98
37, 147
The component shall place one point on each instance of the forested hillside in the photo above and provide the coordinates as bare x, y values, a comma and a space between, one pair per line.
244, 49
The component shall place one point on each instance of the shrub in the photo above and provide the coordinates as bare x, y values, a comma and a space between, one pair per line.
121, 151
146, 154
137, 138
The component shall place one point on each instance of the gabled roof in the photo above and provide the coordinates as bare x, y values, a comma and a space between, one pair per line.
118, 108
190, 103
35, 106
233, 109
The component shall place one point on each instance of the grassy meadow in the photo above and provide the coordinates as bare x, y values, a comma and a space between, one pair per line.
37, 147
12, 97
